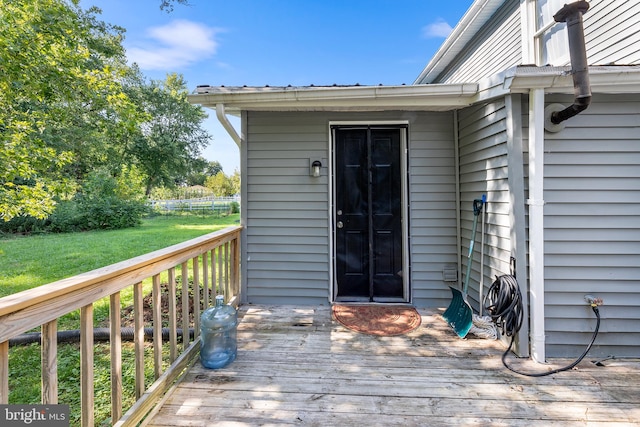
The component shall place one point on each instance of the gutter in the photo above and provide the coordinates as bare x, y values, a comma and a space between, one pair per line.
337, 98
536, 225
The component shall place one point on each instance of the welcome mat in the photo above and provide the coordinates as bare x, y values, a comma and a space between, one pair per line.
375, 319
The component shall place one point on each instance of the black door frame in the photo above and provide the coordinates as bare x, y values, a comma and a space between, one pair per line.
403, 126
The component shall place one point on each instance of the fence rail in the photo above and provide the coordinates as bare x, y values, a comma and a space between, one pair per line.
216, 204
215, 262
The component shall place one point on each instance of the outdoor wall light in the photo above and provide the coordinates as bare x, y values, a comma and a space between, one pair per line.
314, 169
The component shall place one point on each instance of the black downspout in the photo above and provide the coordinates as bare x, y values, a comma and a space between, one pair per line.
572, 15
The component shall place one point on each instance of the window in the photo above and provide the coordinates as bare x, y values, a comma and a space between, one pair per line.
551, 37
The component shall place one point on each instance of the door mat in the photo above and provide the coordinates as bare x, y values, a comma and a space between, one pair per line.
381, 320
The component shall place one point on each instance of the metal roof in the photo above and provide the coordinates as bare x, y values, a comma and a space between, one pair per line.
439, 97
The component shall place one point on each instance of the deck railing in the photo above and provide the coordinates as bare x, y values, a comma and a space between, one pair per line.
215, 267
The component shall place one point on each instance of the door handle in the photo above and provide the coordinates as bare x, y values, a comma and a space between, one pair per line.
339, 224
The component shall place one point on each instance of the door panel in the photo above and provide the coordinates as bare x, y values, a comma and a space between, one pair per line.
368, 195
352, 230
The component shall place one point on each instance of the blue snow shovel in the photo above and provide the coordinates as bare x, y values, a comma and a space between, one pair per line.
460, 314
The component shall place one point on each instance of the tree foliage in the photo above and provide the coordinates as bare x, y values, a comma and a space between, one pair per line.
71, 106
223, 185
59, 88
167, 5
173, 138
201, 168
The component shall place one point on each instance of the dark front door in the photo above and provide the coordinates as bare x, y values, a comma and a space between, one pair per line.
368, 213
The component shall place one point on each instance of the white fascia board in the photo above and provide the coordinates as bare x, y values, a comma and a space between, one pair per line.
428, 97
521, 79
603, 79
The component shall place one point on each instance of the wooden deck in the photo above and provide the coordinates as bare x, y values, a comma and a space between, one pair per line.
296, 366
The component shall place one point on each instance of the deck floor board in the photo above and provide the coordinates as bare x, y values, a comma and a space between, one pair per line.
296, 366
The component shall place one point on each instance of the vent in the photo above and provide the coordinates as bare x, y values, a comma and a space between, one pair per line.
450, 273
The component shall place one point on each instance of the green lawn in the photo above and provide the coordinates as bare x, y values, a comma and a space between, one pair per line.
27, 262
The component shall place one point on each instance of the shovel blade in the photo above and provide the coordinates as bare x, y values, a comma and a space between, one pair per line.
459, 314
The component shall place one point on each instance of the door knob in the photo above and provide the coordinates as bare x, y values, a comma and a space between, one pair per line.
339, 224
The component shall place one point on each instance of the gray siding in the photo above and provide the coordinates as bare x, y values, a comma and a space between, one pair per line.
495, 48
287, 212
286, 209
433, 207
484, 170
612, 32
592, 238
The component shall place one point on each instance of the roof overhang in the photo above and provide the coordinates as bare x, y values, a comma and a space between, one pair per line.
614, 79
425, 97
437, 97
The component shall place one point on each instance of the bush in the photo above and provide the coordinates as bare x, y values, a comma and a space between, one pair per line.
88, 213
235, 207
101, 206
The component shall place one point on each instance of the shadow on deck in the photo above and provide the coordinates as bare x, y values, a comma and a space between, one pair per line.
296, 366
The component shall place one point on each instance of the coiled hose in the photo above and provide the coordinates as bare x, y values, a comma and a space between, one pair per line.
99, 335
505, 308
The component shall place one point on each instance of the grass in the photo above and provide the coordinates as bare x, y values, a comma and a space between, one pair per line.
28, 262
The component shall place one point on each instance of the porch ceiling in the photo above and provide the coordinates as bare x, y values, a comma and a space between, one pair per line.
439, 97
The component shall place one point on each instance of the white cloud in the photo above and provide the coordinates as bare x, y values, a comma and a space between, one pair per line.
438, 29
178, 44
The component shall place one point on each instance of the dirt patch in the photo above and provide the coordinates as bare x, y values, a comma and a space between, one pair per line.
128, 316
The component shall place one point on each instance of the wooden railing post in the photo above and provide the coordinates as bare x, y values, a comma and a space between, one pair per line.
196, 297
4, 372
235, 265
214, 276
205, 277
157, 327
173, 334
138, 337
184, 268
116, 356
49, 361
86, 366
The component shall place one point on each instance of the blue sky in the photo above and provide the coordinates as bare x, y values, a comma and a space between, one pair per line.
281, 42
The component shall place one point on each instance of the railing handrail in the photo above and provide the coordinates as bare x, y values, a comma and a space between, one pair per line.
44, 305
116, 276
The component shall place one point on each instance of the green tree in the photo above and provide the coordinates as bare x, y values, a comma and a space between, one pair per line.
235, 183
201, 169
172, 139
60, 93
167, 5
220, 184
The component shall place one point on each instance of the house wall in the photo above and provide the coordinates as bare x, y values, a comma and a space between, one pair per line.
484, 168
612, 34
287, 211
592, 233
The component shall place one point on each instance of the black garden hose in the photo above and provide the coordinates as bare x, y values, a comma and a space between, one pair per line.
99, 335
505, 308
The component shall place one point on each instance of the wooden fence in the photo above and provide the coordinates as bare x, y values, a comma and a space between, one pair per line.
215, 263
